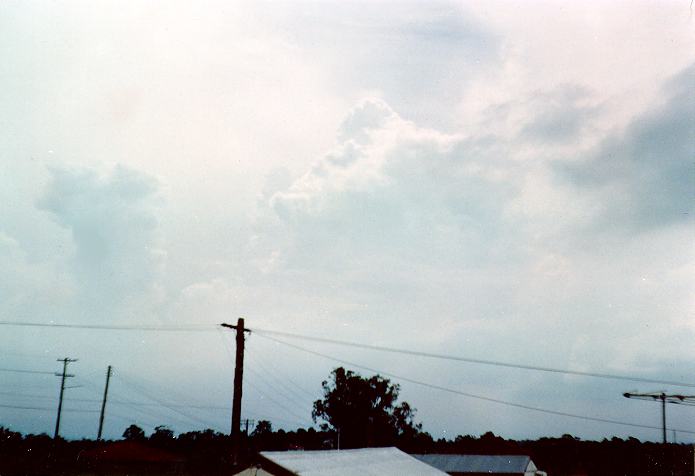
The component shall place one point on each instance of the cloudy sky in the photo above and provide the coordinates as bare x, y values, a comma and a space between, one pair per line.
511, 181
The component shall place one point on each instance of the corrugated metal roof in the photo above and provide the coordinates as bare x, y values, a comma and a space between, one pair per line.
358, 462
479, 463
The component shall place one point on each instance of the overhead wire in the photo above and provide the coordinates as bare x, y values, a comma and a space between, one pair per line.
26, 395
155, 411
263, 416
274, 371
267, 334
112, 401
155, 403
133, 385
470, 395
298, 399
265, 394
256, 388
113, 327
132, 419
210, 328
152, 412
472, 360
27, 371
26, 407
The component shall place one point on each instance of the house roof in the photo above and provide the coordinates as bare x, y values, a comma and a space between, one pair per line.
357, 462
452, 463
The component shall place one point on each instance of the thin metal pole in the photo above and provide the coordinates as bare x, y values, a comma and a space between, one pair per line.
663, 414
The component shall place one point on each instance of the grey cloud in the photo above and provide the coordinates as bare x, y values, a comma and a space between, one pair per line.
646, 176
112, 221
560, 115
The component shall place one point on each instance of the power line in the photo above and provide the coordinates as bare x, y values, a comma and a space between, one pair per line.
299, 399
26, 371
109, 327
140, 390
137, 406
470, 395
260, 391
27, 395
273, 400
153, 410
168, 405
25, 407
163, 404
131, 419
274, 371
471, 359
120, 402
275, 418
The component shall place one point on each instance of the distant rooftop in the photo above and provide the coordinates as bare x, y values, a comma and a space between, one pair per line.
357, 462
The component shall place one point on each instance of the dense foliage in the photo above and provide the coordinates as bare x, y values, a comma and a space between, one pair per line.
364, 411
208, 452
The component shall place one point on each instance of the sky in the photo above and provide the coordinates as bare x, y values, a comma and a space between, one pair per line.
510, 181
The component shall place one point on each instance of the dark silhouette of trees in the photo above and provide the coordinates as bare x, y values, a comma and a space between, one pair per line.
263, 427
364, 411
208, 452
162, 432
134, 433
162, 437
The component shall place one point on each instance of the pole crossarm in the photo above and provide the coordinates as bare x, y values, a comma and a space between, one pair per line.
231, 326
663, 398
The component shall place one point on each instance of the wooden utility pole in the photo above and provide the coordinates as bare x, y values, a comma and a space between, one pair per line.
63, 376
238, 383
103, 403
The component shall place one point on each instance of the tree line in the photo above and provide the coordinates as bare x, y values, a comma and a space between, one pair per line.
355, 412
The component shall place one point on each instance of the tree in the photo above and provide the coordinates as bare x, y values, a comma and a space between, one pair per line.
263, 428
262, 435
162, 435
134, 433
363, 411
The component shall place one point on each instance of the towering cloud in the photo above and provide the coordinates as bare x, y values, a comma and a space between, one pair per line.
114, 260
